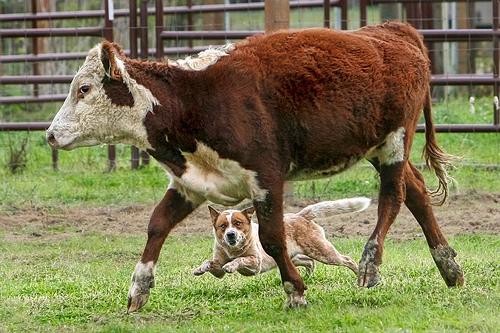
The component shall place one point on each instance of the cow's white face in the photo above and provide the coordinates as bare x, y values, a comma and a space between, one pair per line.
89, 117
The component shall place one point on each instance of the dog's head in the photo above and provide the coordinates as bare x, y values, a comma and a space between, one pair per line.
232, 227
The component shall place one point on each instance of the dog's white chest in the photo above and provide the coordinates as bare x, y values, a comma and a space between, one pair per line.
219, 180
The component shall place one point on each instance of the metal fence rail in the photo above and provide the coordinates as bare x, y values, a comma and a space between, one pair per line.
416, 10
105, 31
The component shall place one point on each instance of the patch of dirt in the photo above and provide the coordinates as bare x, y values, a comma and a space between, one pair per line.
463, 214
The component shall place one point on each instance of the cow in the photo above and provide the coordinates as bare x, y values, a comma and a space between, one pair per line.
237, 122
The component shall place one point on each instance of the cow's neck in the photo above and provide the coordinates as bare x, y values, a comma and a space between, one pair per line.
176, 124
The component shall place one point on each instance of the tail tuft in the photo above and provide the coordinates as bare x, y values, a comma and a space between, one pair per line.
440, 162
329, 208
435, 158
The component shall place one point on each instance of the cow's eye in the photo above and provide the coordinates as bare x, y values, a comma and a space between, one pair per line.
84, 89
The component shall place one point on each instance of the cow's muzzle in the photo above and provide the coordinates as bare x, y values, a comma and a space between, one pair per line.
51, 139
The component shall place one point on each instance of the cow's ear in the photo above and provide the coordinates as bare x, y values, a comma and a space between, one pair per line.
214, 214
110, 55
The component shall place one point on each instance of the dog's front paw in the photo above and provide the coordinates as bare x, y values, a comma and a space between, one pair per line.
310, 267
230, 267
205, 267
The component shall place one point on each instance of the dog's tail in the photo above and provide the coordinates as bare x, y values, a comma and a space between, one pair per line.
329, 208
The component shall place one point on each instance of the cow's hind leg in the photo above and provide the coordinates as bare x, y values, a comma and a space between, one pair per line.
389, 159
392, 194
418, 202
171, 210
272, 237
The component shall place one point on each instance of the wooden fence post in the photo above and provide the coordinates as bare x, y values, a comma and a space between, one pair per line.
277, 16
133, 35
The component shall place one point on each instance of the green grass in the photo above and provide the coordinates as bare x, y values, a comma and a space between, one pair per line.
81, 284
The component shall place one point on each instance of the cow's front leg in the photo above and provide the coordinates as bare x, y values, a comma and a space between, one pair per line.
272, 236
169, 212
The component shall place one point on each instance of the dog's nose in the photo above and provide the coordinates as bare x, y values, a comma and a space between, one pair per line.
231, 235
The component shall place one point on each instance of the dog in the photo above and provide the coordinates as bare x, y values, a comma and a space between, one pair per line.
237, 247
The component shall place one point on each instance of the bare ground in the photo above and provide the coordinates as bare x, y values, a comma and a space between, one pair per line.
463, 214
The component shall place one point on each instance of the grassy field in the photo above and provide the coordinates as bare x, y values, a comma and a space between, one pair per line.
67, 279
81, 283
78, 281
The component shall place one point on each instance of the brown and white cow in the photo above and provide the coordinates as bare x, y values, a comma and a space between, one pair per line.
238, 122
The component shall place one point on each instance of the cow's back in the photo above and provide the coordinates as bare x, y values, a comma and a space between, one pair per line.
307, 65
328, 88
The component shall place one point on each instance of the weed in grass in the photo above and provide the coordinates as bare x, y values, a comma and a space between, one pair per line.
18, 155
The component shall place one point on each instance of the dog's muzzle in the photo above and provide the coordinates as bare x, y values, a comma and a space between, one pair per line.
231, 238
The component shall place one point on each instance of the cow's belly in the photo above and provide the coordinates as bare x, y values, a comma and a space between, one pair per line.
226, 186
216, 179
389, 151
296, 173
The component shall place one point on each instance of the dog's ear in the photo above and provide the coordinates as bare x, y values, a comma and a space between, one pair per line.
248, 212
214, 213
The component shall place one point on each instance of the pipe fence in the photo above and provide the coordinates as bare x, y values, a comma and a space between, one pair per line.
187, 38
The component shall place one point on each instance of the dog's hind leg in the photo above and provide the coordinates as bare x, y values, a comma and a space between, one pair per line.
304, 261
322, 250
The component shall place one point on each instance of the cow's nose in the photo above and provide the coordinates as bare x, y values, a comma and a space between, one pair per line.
51, 139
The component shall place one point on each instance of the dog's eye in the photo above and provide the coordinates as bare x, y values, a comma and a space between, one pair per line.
237, 223
223, 226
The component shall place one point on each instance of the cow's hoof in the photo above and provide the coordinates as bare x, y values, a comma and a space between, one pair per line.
444, 257
368, 275
136, 302
295, 299
295, 302
142, 281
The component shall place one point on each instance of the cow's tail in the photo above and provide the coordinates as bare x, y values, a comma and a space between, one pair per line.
435, 158
329, 208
